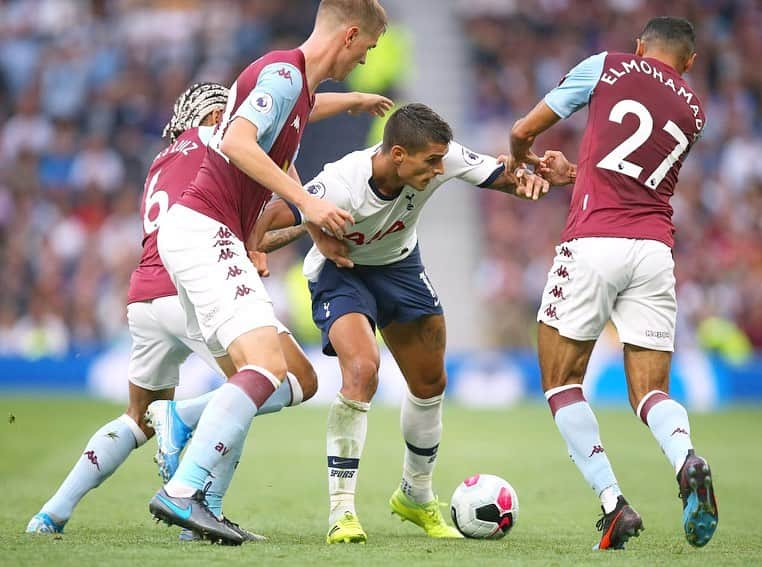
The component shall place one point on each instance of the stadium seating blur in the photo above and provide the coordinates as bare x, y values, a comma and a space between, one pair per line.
86, 87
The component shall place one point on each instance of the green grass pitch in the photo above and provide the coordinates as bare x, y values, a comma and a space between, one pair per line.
280, 490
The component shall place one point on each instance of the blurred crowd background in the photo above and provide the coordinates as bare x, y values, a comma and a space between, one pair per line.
87, 86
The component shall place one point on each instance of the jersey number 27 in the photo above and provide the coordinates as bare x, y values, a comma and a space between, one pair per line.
615, 160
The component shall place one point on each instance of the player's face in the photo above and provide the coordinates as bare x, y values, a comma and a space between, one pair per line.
356, 46
417, 169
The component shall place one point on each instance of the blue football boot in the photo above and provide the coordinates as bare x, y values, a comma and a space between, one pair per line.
171, 436
41, 523
700, 512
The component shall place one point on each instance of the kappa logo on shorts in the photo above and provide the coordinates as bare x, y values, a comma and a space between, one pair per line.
550, 311
223, 232
223, 243
234, 272
226, 254
565, 252
242, 290
562, 272
557, 292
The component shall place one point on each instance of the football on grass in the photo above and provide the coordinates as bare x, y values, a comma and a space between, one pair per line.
484, 506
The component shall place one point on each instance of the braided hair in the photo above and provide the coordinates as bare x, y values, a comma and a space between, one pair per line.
193, 106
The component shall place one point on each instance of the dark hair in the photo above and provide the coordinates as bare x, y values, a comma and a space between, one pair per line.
192, 106
675, 34
413, 126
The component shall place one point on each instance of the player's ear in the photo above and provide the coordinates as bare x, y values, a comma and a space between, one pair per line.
398, 155
689, 63
350, 36
640, 47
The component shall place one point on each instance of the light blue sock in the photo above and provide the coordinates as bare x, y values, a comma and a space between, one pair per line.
222, 427
579, 428
105, 451
190, 410
220, 480
669, 424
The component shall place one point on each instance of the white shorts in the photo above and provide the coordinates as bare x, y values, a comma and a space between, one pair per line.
160, 343
219, 288
629, 281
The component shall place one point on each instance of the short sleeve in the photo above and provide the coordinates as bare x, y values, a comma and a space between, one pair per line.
576, 87
272, 99
330, 187
471, 167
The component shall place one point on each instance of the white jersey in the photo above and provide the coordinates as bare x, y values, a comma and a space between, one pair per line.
385, 227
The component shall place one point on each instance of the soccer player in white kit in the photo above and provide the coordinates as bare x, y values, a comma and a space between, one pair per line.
385, 285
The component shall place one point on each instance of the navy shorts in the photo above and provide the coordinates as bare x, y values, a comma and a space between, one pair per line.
399, 292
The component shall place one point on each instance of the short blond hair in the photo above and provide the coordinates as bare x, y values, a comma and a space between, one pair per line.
369, 14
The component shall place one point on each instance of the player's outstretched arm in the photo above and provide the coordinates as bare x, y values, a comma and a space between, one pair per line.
519, 181
526, 129
331, 104
240, 146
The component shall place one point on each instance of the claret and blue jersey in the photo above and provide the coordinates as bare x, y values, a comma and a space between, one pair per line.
643, 120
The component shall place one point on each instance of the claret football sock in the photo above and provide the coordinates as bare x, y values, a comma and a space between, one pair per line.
579, 428
668, 421
421, 422
345, 439
108, 448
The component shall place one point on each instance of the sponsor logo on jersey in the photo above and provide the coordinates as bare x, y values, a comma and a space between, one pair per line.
316, 189
472, 158
262, 102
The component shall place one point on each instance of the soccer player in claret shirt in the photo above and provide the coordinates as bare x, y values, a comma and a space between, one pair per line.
615, 259
160, 341
201, 243
383, 283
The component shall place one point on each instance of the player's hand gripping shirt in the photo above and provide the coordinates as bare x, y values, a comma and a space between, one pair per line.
169, 175
385, 227
272, 94
643, 120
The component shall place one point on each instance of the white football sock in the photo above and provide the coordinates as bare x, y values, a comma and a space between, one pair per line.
421, 422
345, 439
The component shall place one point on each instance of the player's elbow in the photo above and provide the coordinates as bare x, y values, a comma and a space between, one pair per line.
521, 131
231, 147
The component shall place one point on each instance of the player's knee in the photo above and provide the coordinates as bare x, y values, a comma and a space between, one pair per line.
429, 385
308, 380
360, 377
